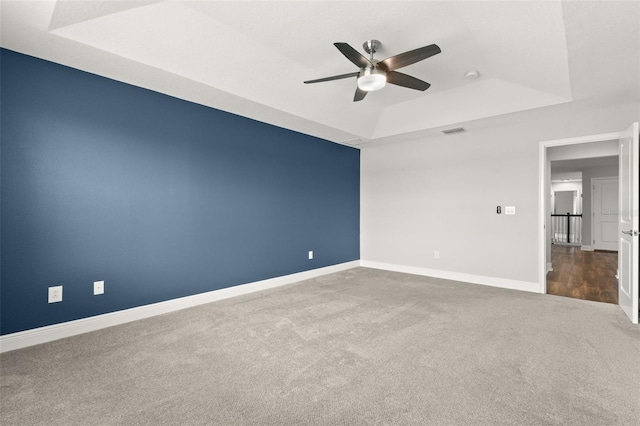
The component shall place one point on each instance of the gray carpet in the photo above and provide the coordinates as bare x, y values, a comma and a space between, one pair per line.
357, 347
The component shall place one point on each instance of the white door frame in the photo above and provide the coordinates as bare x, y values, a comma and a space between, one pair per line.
543, 197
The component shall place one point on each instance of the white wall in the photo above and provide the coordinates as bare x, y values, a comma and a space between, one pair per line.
440, 193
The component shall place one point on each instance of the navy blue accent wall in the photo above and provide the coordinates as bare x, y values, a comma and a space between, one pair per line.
159, 197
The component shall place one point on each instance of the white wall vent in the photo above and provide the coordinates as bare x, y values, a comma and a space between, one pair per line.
454, 130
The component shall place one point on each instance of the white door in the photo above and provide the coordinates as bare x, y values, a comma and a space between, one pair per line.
628, 223
604, 226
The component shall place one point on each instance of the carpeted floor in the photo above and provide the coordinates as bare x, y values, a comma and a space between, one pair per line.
361, 346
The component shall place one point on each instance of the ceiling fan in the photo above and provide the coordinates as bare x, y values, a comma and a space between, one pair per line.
374, 74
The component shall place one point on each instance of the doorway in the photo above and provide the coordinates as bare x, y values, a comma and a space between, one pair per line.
579, 267
628, 189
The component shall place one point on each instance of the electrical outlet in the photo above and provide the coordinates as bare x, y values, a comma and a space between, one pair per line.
55, 294
436, 254
510, 210
310, 254
98, 287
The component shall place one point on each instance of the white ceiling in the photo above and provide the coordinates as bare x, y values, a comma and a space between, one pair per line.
564, 166
572, 169
251, 57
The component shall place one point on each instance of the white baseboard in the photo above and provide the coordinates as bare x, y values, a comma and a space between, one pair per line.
549, 267
532, 287
586, 248
22, 339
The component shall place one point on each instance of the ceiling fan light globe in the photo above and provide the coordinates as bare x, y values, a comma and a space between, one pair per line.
371, 79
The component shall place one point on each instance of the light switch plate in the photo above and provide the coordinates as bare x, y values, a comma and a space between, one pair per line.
509, 209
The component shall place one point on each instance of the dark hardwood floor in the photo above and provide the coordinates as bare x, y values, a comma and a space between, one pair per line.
581, 274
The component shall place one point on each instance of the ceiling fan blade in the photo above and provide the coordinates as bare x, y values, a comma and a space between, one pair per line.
352, 54
407, 58
360, 94
404, 80
335, 77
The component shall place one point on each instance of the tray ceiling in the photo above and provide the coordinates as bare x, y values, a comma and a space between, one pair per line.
250, 57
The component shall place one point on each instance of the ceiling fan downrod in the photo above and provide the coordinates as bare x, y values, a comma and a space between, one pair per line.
370, 46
